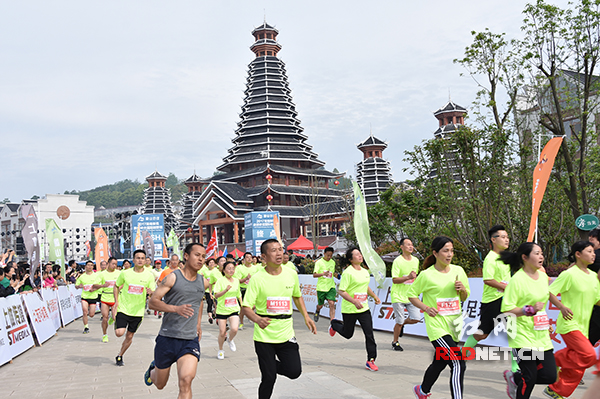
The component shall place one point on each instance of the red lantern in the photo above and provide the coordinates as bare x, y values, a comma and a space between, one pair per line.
269, 178
337, 183
269, 197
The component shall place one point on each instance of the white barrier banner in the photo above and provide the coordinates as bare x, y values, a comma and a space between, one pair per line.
51, 298
76, 299
67, 313
42, 324
5, 355
16, 325
383, 314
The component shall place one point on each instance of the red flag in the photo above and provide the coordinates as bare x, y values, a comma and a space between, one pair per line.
213, 247
541, 175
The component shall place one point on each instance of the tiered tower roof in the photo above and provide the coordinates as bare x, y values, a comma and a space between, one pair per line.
194, 185
373, 173
269, 131
451, 116
157, 199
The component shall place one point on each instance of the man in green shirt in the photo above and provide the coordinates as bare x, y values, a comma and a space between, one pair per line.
404, 272
271, 291
108, 279
323, 272
243, 273
130, 292
89, 282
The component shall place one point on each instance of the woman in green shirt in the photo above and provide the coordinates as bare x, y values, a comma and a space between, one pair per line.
526, 297
229, 299
444, 286
580, 291
354, 289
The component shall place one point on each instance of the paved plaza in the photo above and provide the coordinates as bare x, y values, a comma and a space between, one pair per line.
73, 365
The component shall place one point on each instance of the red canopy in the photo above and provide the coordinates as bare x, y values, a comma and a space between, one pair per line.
303, 243
237, 253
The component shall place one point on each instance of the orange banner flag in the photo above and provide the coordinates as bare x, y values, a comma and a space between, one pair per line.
101, 250
541, 175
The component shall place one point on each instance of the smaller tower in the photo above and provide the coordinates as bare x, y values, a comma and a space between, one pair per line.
451, 118
194, 185
157, 200
373, 173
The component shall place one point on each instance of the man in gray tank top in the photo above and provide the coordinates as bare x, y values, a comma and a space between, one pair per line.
179, 296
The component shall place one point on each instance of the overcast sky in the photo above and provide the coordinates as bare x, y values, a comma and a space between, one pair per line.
95, 92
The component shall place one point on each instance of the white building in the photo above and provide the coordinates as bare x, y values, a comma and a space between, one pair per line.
73, 217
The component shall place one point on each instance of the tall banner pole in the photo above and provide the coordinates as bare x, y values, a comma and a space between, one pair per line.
541, 175
363, 236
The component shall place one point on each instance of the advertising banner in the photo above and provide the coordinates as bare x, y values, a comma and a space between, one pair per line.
153, 224
259, 227
383, 314
75, 295
42, 324
101, 250
51, 298
30, 238
56, 244
16, 325
5, 355
67, 313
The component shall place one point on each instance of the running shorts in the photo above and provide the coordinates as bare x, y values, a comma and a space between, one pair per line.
131, 322
168, 350
329, 295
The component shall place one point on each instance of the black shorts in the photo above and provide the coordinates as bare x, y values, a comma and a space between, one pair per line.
90, 301
226, 316
168, 350
131, 322
489, 312
243, 292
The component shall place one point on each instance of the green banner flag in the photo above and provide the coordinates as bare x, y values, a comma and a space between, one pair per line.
54, 237
363, 236
173, 242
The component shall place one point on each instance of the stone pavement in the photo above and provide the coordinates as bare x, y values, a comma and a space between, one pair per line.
73, 365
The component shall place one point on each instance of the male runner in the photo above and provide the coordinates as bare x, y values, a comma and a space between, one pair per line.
243, 273
179, 296
103, 265
173, 265
287, 263
271, 291
594, 333
404, 272
324, 270
130, 300
90, 283
108, 278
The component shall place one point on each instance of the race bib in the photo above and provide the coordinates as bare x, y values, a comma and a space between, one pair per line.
230, 302
135, 289
278, 304
111, 283
409, 282
448, 306
361, 297
87, 287
503, 282
540, 321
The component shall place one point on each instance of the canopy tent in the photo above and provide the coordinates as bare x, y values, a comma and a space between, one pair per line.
303, 244
237, 253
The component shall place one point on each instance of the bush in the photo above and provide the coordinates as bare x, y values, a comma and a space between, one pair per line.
554, 269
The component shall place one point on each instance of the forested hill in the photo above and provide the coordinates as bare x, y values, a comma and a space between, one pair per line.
126, 192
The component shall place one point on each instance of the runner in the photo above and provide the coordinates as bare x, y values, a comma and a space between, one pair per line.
404, 272
272, 290
594, 238
103, 265
207, 271
220, 263
354, 289
580, 291
243, 273
496, 276
444, 286
323, 272
229, 298
130, 300
90, 283
173, 265
287, 263
526, 297
179, 296
108, 279
126, 264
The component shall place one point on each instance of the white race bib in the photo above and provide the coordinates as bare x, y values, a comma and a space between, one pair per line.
135, 289
278, 304
87, 287
361, 297
448, 306
230, 302
540, 321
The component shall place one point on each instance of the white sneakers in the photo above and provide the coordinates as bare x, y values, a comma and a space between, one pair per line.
232, 345
221, 355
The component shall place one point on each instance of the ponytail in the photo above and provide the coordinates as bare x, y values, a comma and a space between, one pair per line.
579, 246
436, 245
515, 259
